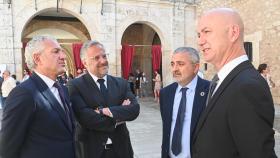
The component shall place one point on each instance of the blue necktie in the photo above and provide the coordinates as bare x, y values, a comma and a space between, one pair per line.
176, 145
65, 106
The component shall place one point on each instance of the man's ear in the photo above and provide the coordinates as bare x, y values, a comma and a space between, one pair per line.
84, 63
196, 67
234, 33
36, 58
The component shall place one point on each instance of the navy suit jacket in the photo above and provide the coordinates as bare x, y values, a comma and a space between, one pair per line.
95, 129
167, 95
34, 124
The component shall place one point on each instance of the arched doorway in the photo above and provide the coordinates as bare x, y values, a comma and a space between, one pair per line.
142, 37
61, 25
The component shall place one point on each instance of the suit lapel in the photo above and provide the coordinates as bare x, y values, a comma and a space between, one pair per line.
198, 103
219, 91
46, 92
111, 88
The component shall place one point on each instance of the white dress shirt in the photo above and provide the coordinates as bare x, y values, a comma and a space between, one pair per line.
95, 78
7, 86
227, 68
53, 89
185, 153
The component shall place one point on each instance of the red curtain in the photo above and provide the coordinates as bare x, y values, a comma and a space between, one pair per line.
25, 67
127, 59
156, 57
76, 47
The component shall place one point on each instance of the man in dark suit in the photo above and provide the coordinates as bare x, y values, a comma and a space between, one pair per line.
102, 103
179, 122
37, 117
238, 119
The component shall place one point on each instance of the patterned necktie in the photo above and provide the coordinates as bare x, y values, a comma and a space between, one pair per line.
212, 87
65, 106
176, 146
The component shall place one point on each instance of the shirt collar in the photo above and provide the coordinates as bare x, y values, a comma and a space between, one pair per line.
227, 68
191, 86
95, 78
46, 79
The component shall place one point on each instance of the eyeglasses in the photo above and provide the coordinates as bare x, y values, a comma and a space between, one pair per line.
98, 57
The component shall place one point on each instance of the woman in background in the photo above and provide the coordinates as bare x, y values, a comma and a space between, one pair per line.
157, 87
265, 72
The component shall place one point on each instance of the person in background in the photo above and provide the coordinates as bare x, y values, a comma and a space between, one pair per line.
157, 85
131, 80
264, 70
15, 77
144, 84
8, 84
37, 118
138, 76
25, 75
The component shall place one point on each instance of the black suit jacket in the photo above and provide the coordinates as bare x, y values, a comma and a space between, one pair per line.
238, 120
95, 128
167, 95
34, 124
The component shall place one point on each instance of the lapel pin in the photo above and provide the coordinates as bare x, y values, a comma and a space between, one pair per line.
202, 94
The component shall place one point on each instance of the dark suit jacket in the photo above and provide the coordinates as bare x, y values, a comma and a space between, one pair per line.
34, 124
167, 95
95, 128
238, 120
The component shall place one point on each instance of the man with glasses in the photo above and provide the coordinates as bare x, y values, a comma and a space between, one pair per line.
102, 103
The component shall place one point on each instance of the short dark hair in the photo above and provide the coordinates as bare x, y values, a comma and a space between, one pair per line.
262, 67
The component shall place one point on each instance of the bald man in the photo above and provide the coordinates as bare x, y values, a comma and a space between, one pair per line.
238, 119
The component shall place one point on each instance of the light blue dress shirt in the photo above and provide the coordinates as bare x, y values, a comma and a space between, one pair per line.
185, 153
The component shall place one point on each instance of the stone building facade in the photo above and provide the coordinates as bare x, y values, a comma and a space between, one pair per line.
171, 23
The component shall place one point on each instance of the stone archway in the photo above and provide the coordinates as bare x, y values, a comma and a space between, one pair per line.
164, 37
66, 28
142, 36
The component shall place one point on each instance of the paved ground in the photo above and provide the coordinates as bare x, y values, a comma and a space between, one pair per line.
146, 131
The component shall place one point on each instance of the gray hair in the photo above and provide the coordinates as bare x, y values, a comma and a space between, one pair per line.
193, 53
89, 44
35, 46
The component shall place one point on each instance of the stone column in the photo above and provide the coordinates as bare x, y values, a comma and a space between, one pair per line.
108, 25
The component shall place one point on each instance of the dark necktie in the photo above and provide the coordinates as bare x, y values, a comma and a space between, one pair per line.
103, 88
176, 146
65, 106
212, 87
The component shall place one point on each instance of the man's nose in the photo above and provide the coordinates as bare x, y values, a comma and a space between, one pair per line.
201, 41
62, 55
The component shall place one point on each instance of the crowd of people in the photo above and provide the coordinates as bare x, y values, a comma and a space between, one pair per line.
85, 117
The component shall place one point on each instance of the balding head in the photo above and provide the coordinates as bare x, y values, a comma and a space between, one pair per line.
227, 17
220, 36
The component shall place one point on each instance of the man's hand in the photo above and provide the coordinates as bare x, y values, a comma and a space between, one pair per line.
126, 102
107, 112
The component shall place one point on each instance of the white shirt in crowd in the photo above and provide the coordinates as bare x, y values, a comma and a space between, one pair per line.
7, 86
